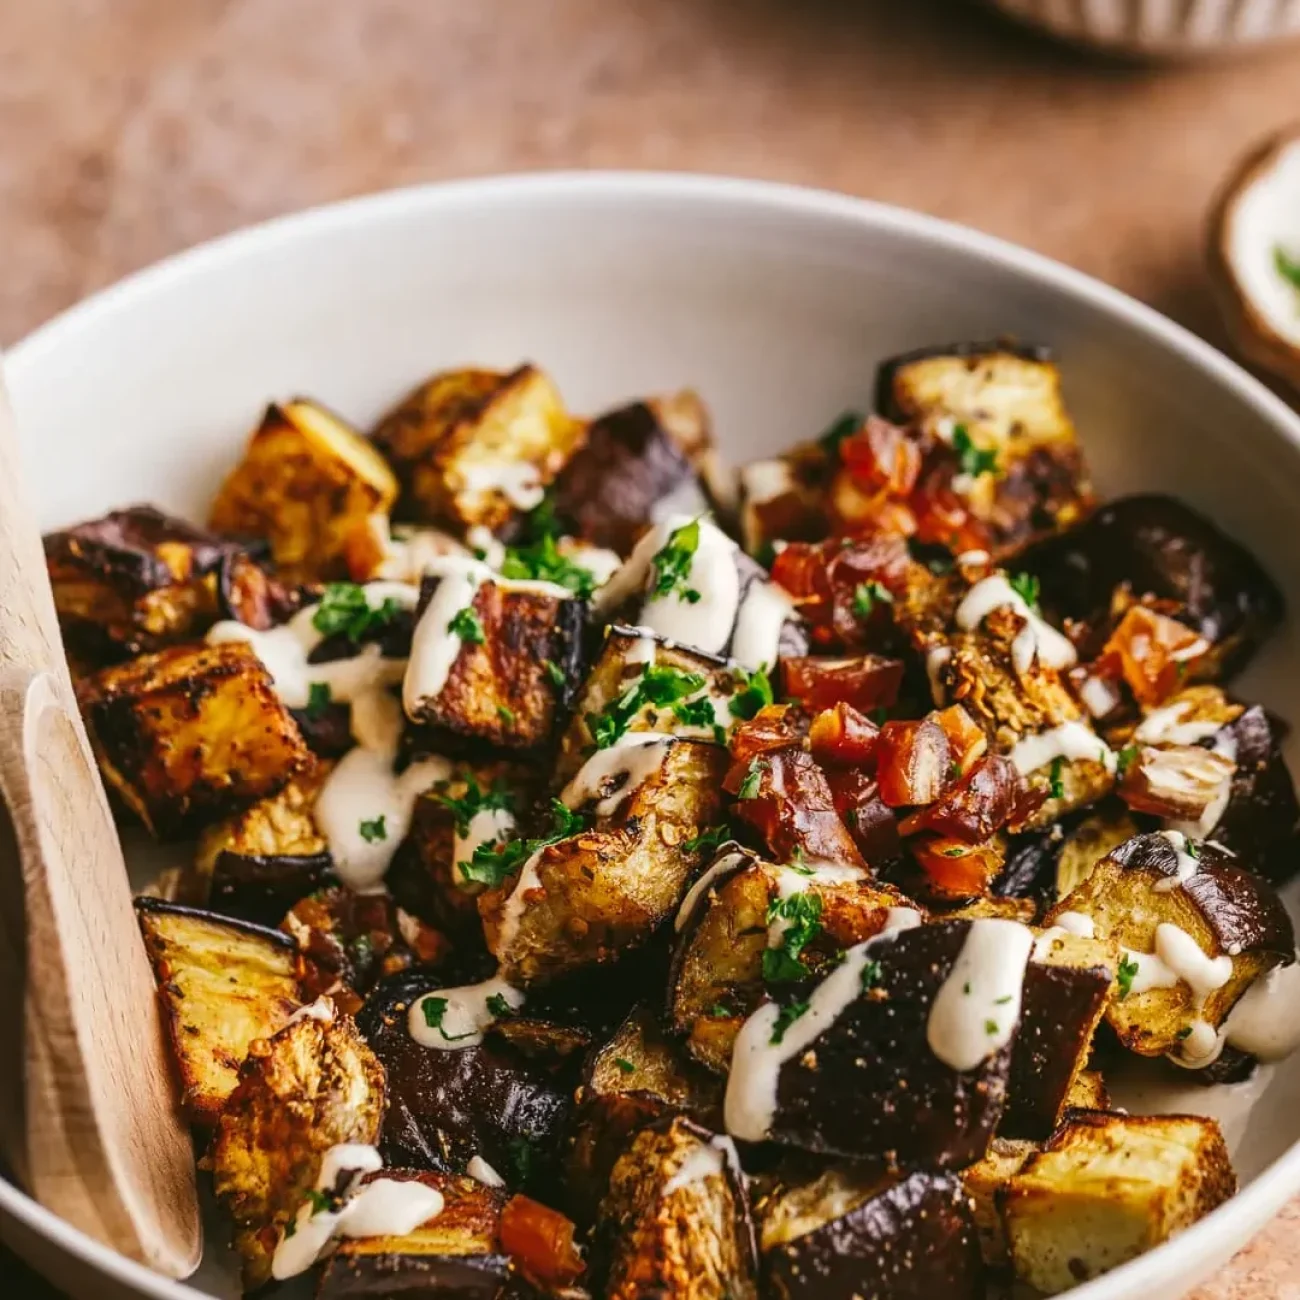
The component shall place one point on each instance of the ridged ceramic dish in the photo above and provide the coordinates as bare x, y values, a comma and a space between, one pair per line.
775, 304
1161, 28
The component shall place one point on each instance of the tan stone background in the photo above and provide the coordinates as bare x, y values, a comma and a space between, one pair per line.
133, 128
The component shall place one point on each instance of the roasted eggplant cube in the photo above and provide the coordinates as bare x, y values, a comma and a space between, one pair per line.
135, 581
1108, 1187
1196, 932
717, 976
1100, 833
1067, 984
635, 466
512, 677
984, 1182
592, 896
676, 1219
308, 480
456, 1255
639, 1076
1155, 546
1260, 822
446, 1107
1004, 404
475, 447
222, 985
313, 1086
847, 1235
188, 734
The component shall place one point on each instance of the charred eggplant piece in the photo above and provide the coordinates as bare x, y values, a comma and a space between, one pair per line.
676, 1220
1107, 1188
636, 465
1156, 546
223, 985
445, 1107
307, 481
474, 447
188, 734
1196, 929
313, 1086
511, 679
850, 1234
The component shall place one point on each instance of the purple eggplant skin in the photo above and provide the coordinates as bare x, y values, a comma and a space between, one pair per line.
1261, 823
418, 1277
261, 889
444, 1108
916, 1240
1242, 911
869, 1087
1059, 1011
1158, 547
608, 491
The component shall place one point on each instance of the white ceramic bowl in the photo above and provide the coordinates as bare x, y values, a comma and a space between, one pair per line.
1176, 29
775, 303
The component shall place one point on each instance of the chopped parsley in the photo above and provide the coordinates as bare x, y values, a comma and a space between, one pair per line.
709, 839
672, 564
867, 595
870, 976
344, 607
990, 1027
879, 716
718, 1011
468, 626
830, 441
433, 1010
319, 1201
749, 787
499, 1007
374, 830
494, 861
542, 561
474, 801
625, 1065
554, 672
1286, 266
521, 1158
506, 714
971, 459
319, 698
1025, 585
1125, 976
952, 853
1002, 1002
802, 915
753, 692
1125, 760
1191, 848
785, 1018
660, 685
1184, 1032
1055, 785
696, 713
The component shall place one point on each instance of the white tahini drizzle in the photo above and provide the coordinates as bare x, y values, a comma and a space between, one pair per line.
519, 481
482, 1172
1187, 867
611, 775
1036, 639
977, 1007
936, 661
791, 881
322, 1010
1165, 726
1071, 740
1178, 957
1266, 1021
722, 866
380, 1208
764, 611
750, 1103
1075, 923
465, 1016
1099, 695
705, 1161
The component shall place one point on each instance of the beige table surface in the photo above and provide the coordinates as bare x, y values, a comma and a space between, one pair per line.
132, 128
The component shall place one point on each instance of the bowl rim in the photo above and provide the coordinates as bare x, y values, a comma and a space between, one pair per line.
1227, 1227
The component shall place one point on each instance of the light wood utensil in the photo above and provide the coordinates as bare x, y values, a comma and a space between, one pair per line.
88, 1116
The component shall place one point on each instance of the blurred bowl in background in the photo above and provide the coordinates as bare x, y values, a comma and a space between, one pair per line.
1161, 28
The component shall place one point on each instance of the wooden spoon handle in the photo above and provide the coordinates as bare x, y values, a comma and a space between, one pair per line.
104, 1145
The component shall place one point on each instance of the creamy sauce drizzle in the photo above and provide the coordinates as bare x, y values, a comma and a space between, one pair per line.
482, 1172
1075, 741
1068, 923
1166, 726
764, 611
465, 1016
381, 1208
977, 1007
1037, 639
512, 911
708, 1159
1178, 957
695, 895
322, 1010
1188, 866
519, 481
935, 662
1099, 696
1266, 1021
750, 1103
612, 775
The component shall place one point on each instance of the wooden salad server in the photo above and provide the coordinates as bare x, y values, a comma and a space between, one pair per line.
89, 1123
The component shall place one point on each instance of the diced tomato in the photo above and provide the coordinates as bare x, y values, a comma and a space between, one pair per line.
541, 1242
867, 682
914, 762
842, 736
954, 869
1153, 653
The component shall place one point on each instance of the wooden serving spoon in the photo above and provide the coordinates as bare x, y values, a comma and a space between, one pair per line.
88, 1117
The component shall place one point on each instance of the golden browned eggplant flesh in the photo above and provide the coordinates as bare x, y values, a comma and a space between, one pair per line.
599, 871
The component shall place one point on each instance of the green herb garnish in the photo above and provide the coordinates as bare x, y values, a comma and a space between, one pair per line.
319, 1201
499, 1007
1055, 785
495, 861
802, 916
709, 839
1025, 585
870, 976
625, 1065
1124, 977
696, 713
521, 1158
433, 1010
319, 698
1125, 760
468, 626
554, 672
474, 801
542, 561
749, 787
374, 830
344, 607
990, 1027
753, 692
506, 714
660, 685
672, 564
971, 459
867, 595
847, 423
718, 1012
1286, 266
785, 1018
